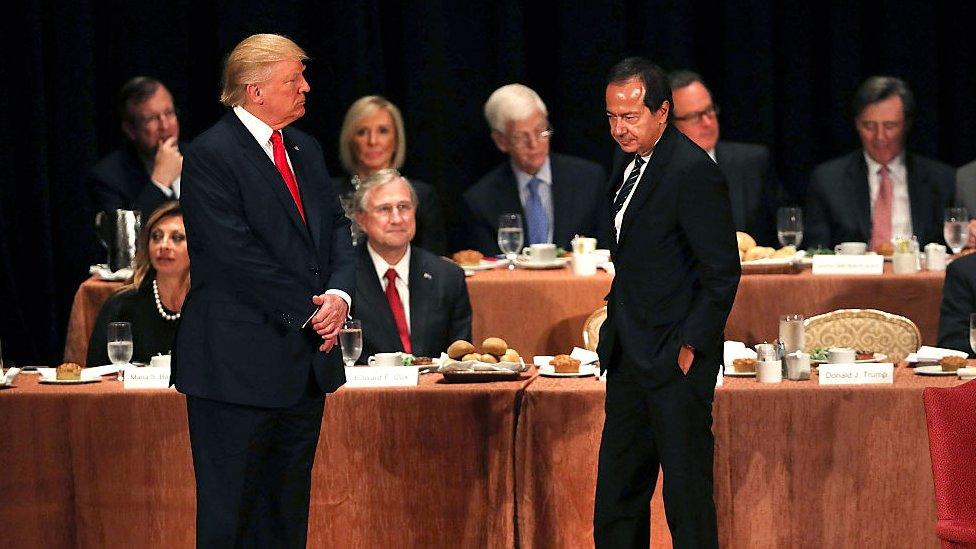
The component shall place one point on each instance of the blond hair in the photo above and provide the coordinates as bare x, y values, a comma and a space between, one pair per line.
361, 108
510, 103
250, 63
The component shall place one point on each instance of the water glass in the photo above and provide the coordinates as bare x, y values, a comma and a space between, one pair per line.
119, 345
351, 341
956, 228
789, 226
791, 332
510, 237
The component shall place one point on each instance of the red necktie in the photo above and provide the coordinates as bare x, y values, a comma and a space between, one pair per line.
281, 162
393, 296
881, 216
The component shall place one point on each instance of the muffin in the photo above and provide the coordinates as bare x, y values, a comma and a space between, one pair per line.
565, 364
467, 257
952, 363
68, 370
744, 365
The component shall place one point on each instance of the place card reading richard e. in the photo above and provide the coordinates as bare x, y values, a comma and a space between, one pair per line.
146, 377
848, 264
381, 376
856, 374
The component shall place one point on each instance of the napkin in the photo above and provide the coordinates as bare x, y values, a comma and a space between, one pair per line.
103, 272
933, 354
966, 373
86, 373
734, 350
8, 377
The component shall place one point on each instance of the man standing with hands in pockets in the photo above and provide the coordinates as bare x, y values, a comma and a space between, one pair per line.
677, 269
272, 270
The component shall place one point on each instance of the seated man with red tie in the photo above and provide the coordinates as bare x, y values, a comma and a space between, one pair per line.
407, 298
880, 191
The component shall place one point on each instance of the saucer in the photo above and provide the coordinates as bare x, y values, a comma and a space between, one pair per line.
526, 263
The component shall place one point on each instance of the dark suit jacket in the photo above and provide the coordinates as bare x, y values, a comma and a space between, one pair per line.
578, 203
440, 311
254, 267
120, 181
754, 192
431, 234
966, 188
677, 266
838, 204
958, 302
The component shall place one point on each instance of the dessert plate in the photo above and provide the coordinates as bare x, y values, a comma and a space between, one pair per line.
734, 373
526, 263
584, 370
69, 381
935, 370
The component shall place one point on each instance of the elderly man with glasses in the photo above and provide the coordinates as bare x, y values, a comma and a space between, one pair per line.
407, 298
559, 196
753, 189
145, 171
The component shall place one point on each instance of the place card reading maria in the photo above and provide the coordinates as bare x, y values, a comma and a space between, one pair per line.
848, 264
146, 377
856, 374
381, 376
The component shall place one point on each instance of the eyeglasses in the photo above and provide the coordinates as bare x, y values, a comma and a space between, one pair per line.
385, 211
695, 117
154, 120
523, 139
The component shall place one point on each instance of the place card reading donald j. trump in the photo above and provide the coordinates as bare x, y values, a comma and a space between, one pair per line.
848, 264
381, 376
856, 374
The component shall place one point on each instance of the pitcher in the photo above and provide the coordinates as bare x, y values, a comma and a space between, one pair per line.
118, 232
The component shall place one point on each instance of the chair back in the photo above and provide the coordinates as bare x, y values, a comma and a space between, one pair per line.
950, 414
864, 329
591, 328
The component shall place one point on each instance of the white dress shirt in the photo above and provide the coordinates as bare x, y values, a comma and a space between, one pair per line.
402, 269
901, 206
262, 133
619, 218
545, 190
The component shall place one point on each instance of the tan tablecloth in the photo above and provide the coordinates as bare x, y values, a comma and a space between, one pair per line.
96, 466
796, 464
542, 312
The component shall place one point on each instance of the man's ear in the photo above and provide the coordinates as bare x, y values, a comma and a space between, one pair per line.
253, 93
500, 141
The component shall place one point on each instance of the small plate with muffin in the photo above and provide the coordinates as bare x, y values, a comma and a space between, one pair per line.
564, 366
742, 367
947, 366
473, 260
68, 373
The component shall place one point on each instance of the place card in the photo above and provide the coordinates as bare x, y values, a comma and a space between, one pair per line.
848, 264
381, 376
856, 374
146, 377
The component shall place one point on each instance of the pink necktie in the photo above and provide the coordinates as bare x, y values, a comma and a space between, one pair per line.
881, 216
399, 316
281, 162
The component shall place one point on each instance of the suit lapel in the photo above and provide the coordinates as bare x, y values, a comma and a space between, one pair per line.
420, 296
269, 175
857, 177
649, 180
372, 299
616, 180
310, 202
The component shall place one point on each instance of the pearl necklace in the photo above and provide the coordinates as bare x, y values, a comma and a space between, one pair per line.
159, 304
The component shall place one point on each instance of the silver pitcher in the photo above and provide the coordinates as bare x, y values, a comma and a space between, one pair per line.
119, 232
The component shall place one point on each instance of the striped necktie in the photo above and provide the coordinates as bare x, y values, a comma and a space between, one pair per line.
618, 203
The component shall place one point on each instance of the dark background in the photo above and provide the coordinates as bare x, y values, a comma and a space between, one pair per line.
783, 73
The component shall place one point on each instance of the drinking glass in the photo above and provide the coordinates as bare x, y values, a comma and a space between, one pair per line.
789, 226
510, 236
351, 341
956, 228
791, 332
120, 345
972, 332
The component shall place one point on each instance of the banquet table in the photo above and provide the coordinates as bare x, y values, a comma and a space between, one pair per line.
796, 464
541, 312
97, 466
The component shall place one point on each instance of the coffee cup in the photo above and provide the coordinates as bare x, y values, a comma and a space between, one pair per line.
851, 248
841, 355
769, 371
797, 366
902, 263
584, 245
540, 253
585, 264
386, 359
159, 360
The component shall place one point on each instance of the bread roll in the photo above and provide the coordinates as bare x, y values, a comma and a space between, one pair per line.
489, 358
745, 241
471, 356
510, 356
494, 345
460, 348
786, 251
758, 252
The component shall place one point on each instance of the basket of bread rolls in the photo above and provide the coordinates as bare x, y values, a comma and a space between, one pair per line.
493, 360
755, 259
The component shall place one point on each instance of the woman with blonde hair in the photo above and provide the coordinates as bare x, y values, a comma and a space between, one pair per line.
373, 139
154, 296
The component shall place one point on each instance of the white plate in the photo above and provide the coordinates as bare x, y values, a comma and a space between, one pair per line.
734, 373
933, 371
69, 381
584, 370
878, 357
525, 263
484, 265
771, 261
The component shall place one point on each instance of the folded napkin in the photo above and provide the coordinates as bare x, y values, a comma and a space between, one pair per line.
9, 376
933, 354
966, 373
734, 350
103, 272
86, 373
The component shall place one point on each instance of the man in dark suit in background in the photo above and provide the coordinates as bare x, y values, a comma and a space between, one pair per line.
958, 302
677, 269
270, 254
559, 196
881, 191
427, 308
145, 172
753, 190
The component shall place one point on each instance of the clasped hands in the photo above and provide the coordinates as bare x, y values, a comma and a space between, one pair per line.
328, 320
